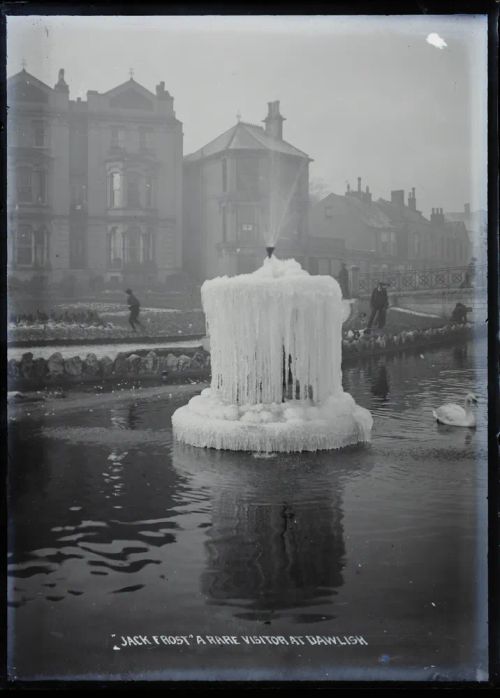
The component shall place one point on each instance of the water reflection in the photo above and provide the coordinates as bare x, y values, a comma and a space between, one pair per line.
276, 539
380, 382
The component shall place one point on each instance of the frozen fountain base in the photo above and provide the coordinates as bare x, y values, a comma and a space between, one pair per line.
208, 422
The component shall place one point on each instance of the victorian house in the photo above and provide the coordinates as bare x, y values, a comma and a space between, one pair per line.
94, 186
242, 191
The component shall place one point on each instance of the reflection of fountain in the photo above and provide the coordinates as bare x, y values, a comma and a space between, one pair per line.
259, 323
276, 538
380, 382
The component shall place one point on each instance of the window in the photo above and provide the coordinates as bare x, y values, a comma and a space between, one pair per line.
149, 192
40, 187
24, 184
41, 239
115, 190
147, 252
247, 176
328, 211
31, 246
145, 138
132, 245
117, 137
25, 246
388, 243
224, 225
133, 190
79, 194
115, 248
78, 246
224, 175
38, 134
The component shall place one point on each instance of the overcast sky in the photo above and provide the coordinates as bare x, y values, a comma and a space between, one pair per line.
363, 96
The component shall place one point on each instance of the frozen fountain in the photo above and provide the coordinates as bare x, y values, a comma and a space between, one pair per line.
276, 343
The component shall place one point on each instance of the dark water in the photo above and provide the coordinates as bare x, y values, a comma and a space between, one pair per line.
115, 531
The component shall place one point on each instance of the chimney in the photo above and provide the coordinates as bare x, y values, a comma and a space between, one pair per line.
274, 121
437, 216
412, 202
61, 83
398, 197
359, 184
467, 210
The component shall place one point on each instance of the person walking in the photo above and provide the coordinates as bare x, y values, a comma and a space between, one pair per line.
135, 307
379, 303
343, 280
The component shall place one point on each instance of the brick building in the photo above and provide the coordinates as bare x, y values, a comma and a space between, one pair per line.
95, 186
388, 235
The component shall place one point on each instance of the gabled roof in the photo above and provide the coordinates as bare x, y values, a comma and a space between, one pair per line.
244, 136
25, 87
128, 85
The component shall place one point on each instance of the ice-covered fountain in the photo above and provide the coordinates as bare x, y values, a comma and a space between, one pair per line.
276, 341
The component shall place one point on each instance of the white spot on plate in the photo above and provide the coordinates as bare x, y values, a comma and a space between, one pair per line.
435, 40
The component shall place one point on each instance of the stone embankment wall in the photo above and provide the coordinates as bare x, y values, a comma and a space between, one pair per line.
57, 370
356, 347
172, 365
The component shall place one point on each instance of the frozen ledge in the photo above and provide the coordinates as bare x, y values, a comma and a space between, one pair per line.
292, 426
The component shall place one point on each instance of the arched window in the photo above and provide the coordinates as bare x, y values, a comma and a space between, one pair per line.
115, 248
115, 190
133, 190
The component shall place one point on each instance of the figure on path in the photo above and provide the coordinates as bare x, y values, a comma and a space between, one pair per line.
135, 307
343, 280
379, 303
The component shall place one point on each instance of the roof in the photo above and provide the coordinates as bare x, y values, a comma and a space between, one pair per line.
368, 212
244, 136
402, 214
26, 87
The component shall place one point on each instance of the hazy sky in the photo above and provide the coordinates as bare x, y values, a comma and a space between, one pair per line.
363, 96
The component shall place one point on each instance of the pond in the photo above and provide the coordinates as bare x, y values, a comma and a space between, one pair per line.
131, 557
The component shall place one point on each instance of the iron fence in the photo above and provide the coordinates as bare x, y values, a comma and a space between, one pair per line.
424, 279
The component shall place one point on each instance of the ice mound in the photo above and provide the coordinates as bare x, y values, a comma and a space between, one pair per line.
274, 332
208, 421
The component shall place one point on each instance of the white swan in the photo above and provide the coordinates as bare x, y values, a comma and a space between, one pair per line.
457, 416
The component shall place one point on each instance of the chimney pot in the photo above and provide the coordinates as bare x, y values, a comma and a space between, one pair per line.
274, 120
359, 183
398, 197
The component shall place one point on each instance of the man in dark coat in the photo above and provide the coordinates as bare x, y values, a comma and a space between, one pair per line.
343, 280
379, 303
135, 307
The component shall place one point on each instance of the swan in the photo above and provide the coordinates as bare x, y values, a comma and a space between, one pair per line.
457, 416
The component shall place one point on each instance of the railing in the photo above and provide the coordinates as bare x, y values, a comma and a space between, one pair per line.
423, 279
